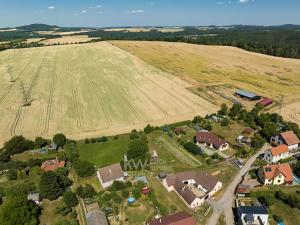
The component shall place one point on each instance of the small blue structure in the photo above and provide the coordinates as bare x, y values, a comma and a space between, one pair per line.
131, 200
43, 151
280, 223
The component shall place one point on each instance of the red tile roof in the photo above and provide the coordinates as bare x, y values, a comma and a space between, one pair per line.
209, 138
181, 218
272, 171
51, 165
290, 138
266, 102
281, 149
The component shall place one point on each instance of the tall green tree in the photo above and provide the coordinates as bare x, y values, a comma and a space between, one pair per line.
18, 210
51, 185
60, 140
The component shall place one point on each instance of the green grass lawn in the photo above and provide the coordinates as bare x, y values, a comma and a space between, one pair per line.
170, 200
139, 214
49, 215
289, 215
28, 155
104, 154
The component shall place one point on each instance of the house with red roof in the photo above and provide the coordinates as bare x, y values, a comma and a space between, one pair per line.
275, 154
288, 138
276, 174
180, 218
53, 164
211, 140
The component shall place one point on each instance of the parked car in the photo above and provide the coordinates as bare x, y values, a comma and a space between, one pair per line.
238, 163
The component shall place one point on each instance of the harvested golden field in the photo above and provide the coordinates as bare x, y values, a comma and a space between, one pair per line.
88, 90
67, 40
217, 67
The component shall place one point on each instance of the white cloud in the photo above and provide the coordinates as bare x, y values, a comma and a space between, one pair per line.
84, 11
220, 3
136, 11
51, 7
100, 12
244, 1
98, 6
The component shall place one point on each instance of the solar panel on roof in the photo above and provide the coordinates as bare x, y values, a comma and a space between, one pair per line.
268, 169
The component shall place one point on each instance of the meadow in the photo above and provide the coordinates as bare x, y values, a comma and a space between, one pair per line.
219, 67
88, 90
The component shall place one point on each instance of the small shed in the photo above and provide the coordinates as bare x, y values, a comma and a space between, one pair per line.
35, 197
178, 130
243, 189
145, 190
248, 130
265, 102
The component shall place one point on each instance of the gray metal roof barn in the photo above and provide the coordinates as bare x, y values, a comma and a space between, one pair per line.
247, 95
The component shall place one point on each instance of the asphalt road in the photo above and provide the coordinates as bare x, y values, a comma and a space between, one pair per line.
225, 204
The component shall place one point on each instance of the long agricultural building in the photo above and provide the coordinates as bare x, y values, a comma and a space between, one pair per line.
247, 95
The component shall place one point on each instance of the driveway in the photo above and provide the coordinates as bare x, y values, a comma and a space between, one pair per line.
225, 204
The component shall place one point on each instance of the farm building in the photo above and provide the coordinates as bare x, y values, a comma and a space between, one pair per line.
193, 187
247, 95
265, 102
180, 218
109, 174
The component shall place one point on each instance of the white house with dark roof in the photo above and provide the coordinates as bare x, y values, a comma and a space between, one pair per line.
107, 175
250, 215
193, 187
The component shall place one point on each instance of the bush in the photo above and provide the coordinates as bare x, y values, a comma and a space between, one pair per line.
18, 144
148, 129
137, 193
86, 192
93, 140
125, 194
63, 210
70, 199
83, 168
277, 218
191, 147
12, 174
117, 186
87, 141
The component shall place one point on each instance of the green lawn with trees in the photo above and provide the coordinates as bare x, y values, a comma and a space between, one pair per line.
104, 153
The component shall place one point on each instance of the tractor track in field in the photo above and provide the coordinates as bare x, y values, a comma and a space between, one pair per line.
74, 98
165, 113
3, 97
120, 93
158, 85
99, 98
50, 99
102, 103
20, 109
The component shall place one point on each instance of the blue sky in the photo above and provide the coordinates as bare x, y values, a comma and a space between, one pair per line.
101, 13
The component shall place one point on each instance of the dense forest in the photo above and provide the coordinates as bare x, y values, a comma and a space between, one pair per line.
281, 41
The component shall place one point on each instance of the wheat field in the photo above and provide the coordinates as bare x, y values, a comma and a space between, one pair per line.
88, 90
226, 69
